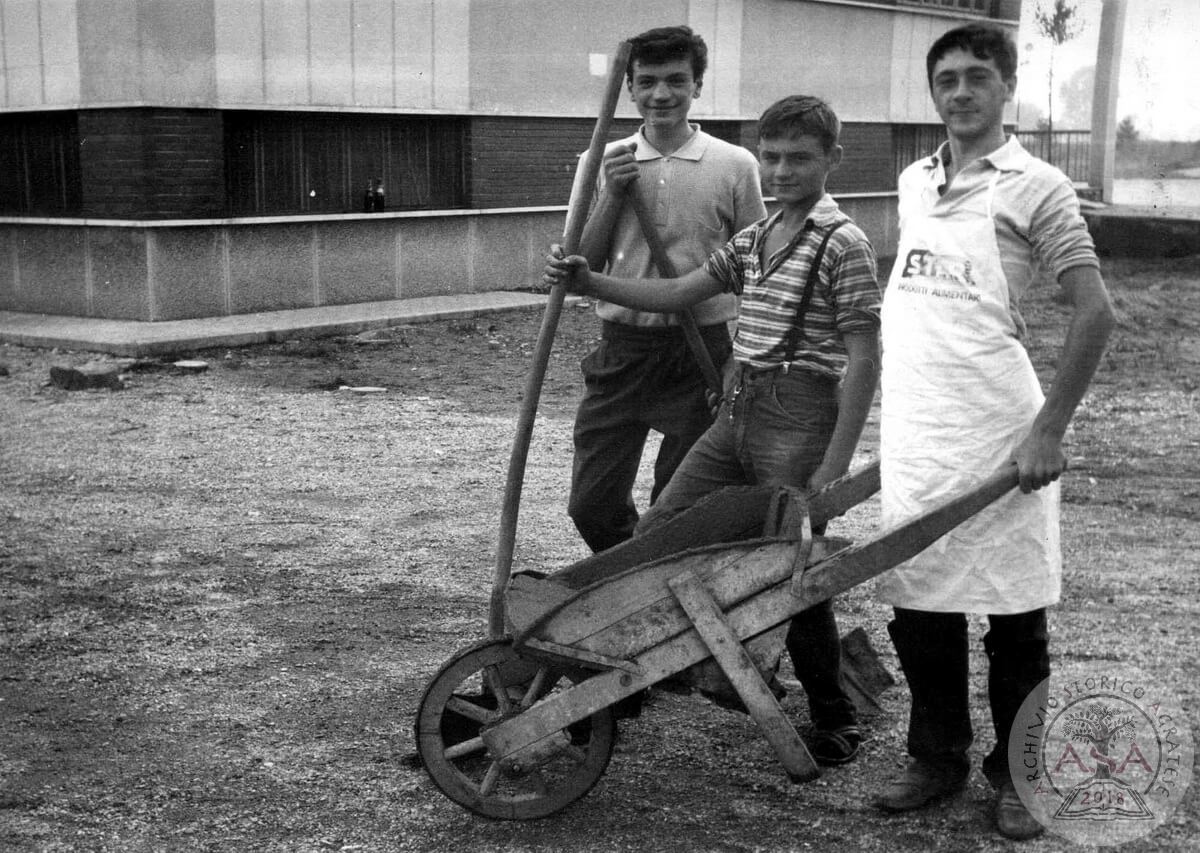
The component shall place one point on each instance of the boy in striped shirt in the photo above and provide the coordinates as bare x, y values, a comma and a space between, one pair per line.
804, 369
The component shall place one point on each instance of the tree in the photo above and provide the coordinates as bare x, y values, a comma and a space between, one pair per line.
1060, 25
1127, 133
1030, 116
1076, 98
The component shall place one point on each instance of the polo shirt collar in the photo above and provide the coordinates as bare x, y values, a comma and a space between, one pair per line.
823, 214
693, 149
1009, 157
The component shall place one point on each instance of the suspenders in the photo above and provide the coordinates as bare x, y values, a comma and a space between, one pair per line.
796, 332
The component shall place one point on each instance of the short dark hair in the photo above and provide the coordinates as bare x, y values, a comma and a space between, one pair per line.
801, 115
982, 41
667, 44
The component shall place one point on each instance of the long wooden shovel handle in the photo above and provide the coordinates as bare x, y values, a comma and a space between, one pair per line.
577, 213
666, 269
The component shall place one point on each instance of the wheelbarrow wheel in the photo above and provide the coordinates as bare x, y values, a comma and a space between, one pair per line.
480, 686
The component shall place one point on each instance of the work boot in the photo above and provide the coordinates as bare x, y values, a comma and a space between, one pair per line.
1013, 820
919, 785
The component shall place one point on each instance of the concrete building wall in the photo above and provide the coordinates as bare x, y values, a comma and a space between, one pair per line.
810, 48
539, 57
142, 52
353, 54
205, 268
40, 53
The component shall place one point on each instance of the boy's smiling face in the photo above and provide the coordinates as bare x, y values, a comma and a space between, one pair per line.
664, 92
794, 168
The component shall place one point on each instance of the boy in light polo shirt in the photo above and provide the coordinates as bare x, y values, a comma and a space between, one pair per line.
642, 376
808, 323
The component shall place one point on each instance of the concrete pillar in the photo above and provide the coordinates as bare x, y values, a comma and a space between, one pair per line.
1104, 98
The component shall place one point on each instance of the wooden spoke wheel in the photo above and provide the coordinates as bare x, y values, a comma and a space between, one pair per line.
481, 686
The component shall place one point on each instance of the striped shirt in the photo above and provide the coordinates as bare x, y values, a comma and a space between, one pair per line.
846, 298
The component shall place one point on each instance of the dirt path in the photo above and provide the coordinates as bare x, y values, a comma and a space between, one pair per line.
223, 594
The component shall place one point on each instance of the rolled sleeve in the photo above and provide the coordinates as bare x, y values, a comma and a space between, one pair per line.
856, 296
725, 265
1059, 234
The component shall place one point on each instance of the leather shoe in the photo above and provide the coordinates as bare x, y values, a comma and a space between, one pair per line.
1012, 818
836, 746
919, 785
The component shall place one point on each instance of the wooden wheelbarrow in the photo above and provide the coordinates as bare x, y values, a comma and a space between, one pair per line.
521, 725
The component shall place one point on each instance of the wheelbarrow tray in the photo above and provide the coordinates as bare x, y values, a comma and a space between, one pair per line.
609, 623
599, 605
731, 514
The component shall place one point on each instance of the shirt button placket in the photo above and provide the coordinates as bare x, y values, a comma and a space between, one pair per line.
662, 206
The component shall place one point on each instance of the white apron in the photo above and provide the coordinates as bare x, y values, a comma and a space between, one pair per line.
959, 394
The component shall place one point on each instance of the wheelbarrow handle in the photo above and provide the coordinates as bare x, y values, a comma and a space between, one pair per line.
902, 541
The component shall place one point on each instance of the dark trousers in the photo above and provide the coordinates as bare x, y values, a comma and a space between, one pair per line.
635, 380
933, 650
773, 433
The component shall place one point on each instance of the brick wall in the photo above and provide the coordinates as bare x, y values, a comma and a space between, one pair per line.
1007, 10
867, 161
151, 163
154, 163
522, 162
111, 164
188, 163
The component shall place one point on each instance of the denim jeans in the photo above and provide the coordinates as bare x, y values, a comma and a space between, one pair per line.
772, 430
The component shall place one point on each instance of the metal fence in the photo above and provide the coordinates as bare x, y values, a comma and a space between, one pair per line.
1069, 150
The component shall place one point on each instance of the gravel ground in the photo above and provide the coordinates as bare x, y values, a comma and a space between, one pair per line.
224, 592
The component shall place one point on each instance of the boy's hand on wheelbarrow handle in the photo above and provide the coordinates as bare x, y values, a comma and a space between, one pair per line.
1040, 461
824, 475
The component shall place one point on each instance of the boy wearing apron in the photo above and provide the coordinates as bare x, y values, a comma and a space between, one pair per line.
805, 364
961, 399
